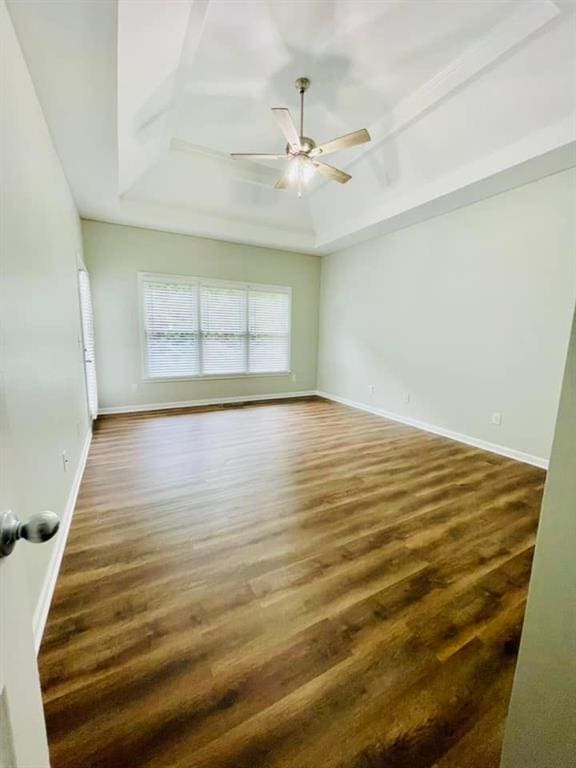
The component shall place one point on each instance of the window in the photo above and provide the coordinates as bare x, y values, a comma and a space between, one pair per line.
196, 327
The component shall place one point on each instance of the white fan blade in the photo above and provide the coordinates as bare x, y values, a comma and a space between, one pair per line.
343, 142
255, 156
335, 174
287, 127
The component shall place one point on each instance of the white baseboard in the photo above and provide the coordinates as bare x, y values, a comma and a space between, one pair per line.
43, 605
502, 450
196, 403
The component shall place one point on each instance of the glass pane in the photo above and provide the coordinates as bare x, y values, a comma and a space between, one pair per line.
269, 312
269, 324
171, 311
223, 319
269, 354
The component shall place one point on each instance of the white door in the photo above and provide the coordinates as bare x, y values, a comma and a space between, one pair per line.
23, 742
88, 340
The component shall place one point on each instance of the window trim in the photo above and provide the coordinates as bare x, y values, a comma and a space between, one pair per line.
142, 277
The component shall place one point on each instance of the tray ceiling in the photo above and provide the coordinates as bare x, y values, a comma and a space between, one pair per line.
145, 99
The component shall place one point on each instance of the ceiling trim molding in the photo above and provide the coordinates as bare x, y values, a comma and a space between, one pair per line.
509, 33
195, 29
546, 152
129, 176
133, 212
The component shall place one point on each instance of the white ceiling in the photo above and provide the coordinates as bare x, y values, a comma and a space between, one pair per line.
146, 98
363, 58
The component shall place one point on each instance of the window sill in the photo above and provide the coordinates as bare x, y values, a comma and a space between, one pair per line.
213, 377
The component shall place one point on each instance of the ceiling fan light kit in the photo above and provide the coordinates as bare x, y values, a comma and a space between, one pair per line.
302, 152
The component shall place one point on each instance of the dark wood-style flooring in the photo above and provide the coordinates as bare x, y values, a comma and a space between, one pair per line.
289, 585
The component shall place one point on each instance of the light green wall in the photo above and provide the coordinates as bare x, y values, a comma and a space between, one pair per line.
466, 314
43, 403
115, 254
541, 728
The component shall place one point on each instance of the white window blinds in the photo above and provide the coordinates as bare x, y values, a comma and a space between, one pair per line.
268, 330
194, 327
171, 315
223, 330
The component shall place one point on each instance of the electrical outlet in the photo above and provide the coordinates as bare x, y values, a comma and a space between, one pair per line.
407, 397
65, 460
294, 377
371, 389
134, 387
496, 418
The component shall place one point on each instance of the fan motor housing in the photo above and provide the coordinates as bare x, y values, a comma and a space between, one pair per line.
306, 143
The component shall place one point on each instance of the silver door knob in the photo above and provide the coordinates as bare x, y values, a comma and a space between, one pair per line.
39, 528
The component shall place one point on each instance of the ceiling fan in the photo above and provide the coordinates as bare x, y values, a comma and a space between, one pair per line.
302, 152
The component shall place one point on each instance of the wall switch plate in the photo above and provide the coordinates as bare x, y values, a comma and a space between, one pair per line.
496, 418
65, 460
